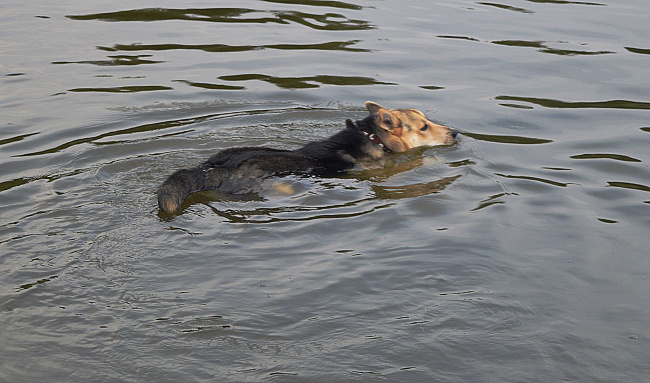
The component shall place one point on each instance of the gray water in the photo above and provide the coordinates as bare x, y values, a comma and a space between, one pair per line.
518, 254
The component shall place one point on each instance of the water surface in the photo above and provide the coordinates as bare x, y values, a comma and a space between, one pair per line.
518, 254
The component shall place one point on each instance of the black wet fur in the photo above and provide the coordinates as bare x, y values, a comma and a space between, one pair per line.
237, 170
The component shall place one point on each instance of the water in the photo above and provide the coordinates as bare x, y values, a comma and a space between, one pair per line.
519, 254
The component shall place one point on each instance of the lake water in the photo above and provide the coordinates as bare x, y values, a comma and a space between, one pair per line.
518, 254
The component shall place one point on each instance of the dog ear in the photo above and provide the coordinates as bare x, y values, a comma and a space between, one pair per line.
373, 107
390, 122
350, 124
387, 120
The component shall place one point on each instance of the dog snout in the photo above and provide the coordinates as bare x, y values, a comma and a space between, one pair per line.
453, 133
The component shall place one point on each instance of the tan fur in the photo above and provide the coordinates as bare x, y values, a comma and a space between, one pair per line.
403, 129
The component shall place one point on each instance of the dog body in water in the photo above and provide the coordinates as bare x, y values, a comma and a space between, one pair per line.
233, 171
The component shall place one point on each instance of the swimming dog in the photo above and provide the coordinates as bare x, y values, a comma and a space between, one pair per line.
233, 171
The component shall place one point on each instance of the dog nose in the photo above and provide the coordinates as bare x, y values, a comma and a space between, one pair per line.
453, 133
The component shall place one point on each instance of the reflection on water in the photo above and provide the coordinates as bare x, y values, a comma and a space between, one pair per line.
536, 179
6, 185
327, 21
544, 48
457, 37
495, 199
115, 61
17, 138
39, 282
618, 157
306, 82
155, 127
507, 139
318, 3
123, 89
566, 2
206, 85
629, 185
507, 7
413, 190
550, 103
638, 50
344, 46
310, 199
297, 213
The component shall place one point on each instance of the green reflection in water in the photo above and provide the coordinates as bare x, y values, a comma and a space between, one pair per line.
507, 139
123, 89
507, 7
457, 37
6, 185
566, 2
16, 138
570, 52
536, 179
159, 14
629, 185
205, 85
305, 82
224, 48
550, 103
541, 46
318, 3
116, 61
520, 43
516, 106
39, 282
431, 87
544, 48
327, 21
638, 50
618, 157
491, 201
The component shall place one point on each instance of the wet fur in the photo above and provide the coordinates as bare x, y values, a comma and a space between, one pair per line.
239, 170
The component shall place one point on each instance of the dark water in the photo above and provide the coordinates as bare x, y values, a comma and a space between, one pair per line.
519, 254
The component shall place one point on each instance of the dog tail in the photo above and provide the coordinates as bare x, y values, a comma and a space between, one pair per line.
179, 186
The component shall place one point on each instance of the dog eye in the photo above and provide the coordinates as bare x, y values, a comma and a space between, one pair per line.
425, 127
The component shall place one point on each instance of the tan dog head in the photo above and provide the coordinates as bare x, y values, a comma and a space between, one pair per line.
403, 129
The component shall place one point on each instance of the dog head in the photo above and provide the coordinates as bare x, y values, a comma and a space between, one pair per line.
403, 129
